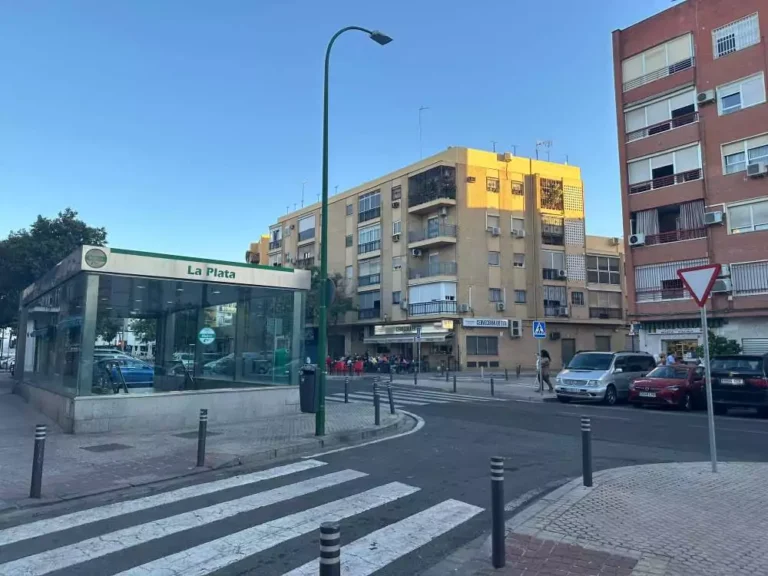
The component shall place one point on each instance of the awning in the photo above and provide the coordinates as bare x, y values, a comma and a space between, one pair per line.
406, 338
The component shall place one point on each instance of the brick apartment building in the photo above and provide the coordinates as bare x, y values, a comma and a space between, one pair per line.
466, 247
693, 146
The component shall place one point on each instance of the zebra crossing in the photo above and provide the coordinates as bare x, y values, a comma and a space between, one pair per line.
408, 396
224, 524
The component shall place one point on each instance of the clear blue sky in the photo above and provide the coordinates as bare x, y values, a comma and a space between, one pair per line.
186, 126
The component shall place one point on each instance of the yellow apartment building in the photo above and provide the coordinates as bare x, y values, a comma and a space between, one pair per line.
455, 256
257, 252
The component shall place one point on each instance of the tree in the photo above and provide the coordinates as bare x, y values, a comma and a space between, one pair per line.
25, 255
719, 345
145, 329
342, 302
108, 328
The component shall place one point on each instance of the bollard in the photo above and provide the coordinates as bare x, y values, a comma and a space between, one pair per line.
346, 389
454, 383
330, 549
415, 378
586, 450
36, 487
201, 433
375, 389
376, 409
390, 375
506, 374
498, 554
492, 391
391, 399
446, 375
517, 370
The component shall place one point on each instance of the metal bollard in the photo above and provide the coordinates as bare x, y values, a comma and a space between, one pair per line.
201, 433
390, 375
517, 370
346, 390
376, 409
586, 450
36, 487
375, 389
330, 549
454, 383
391, 399
492, 390
506, 374
415, 378
498, 554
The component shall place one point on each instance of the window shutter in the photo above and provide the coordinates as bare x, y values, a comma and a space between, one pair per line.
632, 68
687, 159
635, 120
655, 59
753, 91
681, 100
658, 112
679, 49
639, 171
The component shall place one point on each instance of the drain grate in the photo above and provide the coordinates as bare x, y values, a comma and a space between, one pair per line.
190, 435
106, 447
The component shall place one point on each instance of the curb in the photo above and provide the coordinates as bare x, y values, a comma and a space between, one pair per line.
404, 422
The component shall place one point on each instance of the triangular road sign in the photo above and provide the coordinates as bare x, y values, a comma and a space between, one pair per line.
699, 281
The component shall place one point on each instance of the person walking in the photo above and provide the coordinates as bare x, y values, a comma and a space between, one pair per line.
544, 362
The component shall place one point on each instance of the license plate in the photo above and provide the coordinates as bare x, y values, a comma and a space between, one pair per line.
648, 394
732, 381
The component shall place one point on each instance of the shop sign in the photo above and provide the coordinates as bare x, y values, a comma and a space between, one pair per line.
210, 271
393, 329
206, 335
677, 331
485, 322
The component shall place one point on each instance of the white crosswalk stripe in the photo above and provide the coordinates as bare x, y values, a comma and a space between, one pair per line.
340, 399
412, 396
403, 400
54, 550
449, 395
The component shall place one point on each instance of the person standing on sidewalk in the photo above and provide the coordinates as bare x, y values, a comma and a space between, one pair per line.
544, 362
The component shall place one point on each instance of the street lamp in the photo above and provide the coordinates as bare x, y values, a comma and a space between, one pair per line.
322, 337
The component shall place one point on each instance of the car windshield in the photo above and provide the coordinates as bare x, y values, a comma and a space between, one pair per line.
669, 372
738, 364
590, 361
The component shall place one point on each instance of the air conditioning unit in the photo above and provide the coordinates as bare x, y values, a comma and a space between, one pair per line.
404, 304
395, 237
637, 240
416, 253
563, 311
757, 169
463, 307
471, 179
396, 204
722, 285
705, 97
500, 307
711, 218
444, 212
494, 230
293, 226
615, 241
725, 271
518, 233
515, 329
562, 274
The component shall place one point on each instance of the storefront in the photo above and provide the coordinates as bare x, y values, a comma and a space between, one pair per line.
224, 336
432, 342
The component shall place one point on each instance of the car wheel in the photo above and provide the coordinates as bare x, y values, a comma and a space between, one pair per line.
687, 403
564, 399
720, 409
610, 395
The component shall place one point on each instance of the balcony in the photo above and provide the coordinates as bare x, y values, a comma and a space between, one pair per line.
606, 313
664, 181
552, 274
370, 214
428, 308
369, 280
275, 245
556, 311
432, 269
432, 188
673, 291
440, 235
662, 126
306, 235
660, 73
369, 247
368, 313
305, 263
675, 236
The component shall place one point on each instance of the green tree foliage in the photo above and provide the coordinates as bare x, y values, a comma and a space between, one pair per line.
719, 345
145, 329
342, 302
27, 254
108, 328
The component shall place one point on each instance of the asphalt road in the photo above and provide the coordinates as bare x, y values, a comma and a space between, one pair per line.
448, 459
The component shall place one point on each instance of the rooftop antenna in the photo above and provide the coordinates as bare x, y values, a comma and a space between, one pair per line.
294, 206
302, 193
514, 149
421, 150
336, 189
543, 143
493, 142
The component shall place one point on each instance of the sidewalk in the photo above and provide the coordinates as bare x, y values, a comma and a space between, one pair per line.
675, 519
76, 465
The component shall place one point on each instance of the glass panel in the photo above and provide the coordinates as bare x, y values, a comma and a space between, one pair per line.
735, 163
760, 214
740, 217
730, 103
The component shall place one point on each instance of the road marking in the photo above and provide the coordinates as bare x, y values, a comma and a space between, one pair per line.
420, 423
592, 415
374, 551
341, 400
369, 397
725, 429
104, 544
59, 523
450, 395
222, 552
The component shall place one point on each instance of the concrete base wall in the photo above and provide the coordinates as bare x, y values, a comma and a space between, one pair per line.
166, 411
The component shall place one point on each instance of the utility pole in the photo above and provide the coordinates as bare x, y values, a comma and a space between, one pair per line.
421, 151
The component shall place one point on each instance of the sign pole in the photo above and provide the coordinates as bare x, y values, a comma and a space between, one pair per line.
708, 385
538, 368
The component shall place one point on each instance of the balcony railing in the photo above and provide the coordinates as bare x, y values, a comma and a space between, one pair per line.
556, 311
369, 280
369, 214
660, 73
434, 232
306, 235
369, 247
663, 126
367, 313
662, 294
433, 269
663, 181
275, 244
424, 308
606, 313
551, 274
305, 262
675, 236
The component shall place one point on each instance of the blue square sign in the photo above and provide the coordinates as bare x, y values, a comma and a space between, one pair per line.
539, 329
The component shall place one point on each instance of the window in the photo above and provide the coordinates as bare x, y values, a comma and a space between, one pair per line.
397, 227
369, 239
741, 94
604, 270
656, 282
520, 297
517, 188
737, 155
349, 272
603, 344
551, 194
369, 206
660, 115
492, 221
397, 193
749, 279
494, 258
518, 224
555, 300
276, 260
482, 345
350, 209
369, 272
553, 260
518, 260
397, 262
307, 228
657, 62
396, 297
751, 217
369, 304
348, 240
552, 230
676, 167
735, 36
577, 298
492, 184
494, 295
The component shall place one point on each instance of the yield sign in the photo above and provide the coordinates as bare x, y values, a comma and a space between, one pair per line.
699, 281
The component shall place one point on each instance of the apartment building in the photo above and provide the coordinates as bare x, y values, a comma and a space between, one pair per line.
257, 252
455, 255
693, 149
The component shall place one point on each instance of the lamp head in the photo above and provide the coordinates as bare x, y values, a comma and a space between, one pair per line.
380, 38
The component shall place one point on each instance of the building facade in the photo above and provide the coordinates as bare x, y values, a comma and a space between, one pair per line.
693, 149
450, 259
257, 252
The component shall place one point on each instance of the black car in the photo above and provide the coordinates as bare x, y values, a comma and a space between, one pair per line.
740, 381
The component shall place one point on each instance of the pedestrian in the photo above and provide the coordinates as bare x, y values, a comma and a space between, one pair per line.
544, 362
671, 359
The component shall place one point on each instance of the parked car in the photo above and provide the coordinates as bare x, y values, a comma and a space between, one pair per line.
740, 381
677, 385
601, 376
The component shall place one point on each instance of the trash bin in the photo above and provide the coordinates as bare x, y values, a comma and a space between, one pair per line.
308, 399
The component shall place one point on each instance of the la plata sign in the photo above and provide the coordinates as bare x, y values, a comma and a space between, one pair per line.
210, 272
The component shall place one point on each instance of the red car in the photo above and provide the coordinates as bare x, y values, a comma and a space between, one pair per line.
677, 385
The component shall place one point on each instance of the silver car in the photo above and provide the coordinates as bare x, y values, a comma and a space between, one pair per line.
601, 376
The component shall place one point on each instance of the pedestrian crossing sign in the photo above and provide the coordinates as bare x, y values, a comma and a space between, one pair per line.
539, 329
